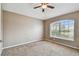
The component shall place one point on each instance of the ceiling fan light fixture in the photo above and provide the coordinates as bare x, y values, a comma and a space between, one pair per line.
44, 6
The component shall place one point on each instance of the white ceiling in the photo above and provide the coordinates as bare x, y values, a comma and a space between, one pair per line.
27, 9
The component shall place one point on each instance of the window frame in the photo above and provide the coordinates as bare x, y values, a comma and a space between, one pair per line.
55, 37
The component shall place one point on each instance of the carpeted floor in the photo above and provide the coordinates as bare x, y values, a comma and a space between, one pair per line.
41, 48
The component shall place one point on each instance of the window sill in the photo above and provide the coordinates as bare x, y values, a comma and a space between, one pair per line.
63, 38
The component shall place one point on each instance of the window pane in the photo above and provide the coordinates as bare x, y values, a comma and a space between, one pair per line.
62, 29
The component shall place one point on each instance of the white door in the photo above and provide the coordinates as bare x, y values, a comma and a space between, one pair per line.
0, 32
0, 47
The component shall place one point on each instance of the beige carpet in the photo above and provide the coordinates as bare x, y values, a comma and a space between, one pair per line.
41, 48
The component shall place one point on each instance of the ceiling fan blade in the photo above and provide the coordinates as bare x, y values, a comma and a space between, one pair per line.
43, 10
50, 6
37, 7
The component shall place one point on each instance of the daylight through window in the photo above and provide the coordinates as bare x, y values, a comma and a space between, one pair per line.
63, 29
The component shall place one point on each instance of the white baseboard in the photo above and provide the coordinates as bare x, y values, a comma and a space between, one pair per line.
20, 44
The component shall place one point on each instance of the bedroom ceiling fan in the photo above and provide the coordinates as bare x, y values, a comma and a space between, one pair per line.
44, 6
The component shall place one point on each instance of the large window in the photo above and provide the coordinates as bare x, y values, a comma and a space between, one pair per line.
63, 29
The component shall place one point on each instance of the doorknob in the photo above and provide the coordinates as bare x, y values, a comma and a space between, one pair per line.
0, 40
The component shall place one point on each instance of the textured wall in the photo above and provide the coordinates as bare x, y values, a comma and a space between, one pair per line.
75, 16
20, 29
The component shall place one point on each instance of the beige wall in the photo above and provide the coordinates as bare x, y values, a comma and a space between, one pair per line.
75, 16
20, 29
